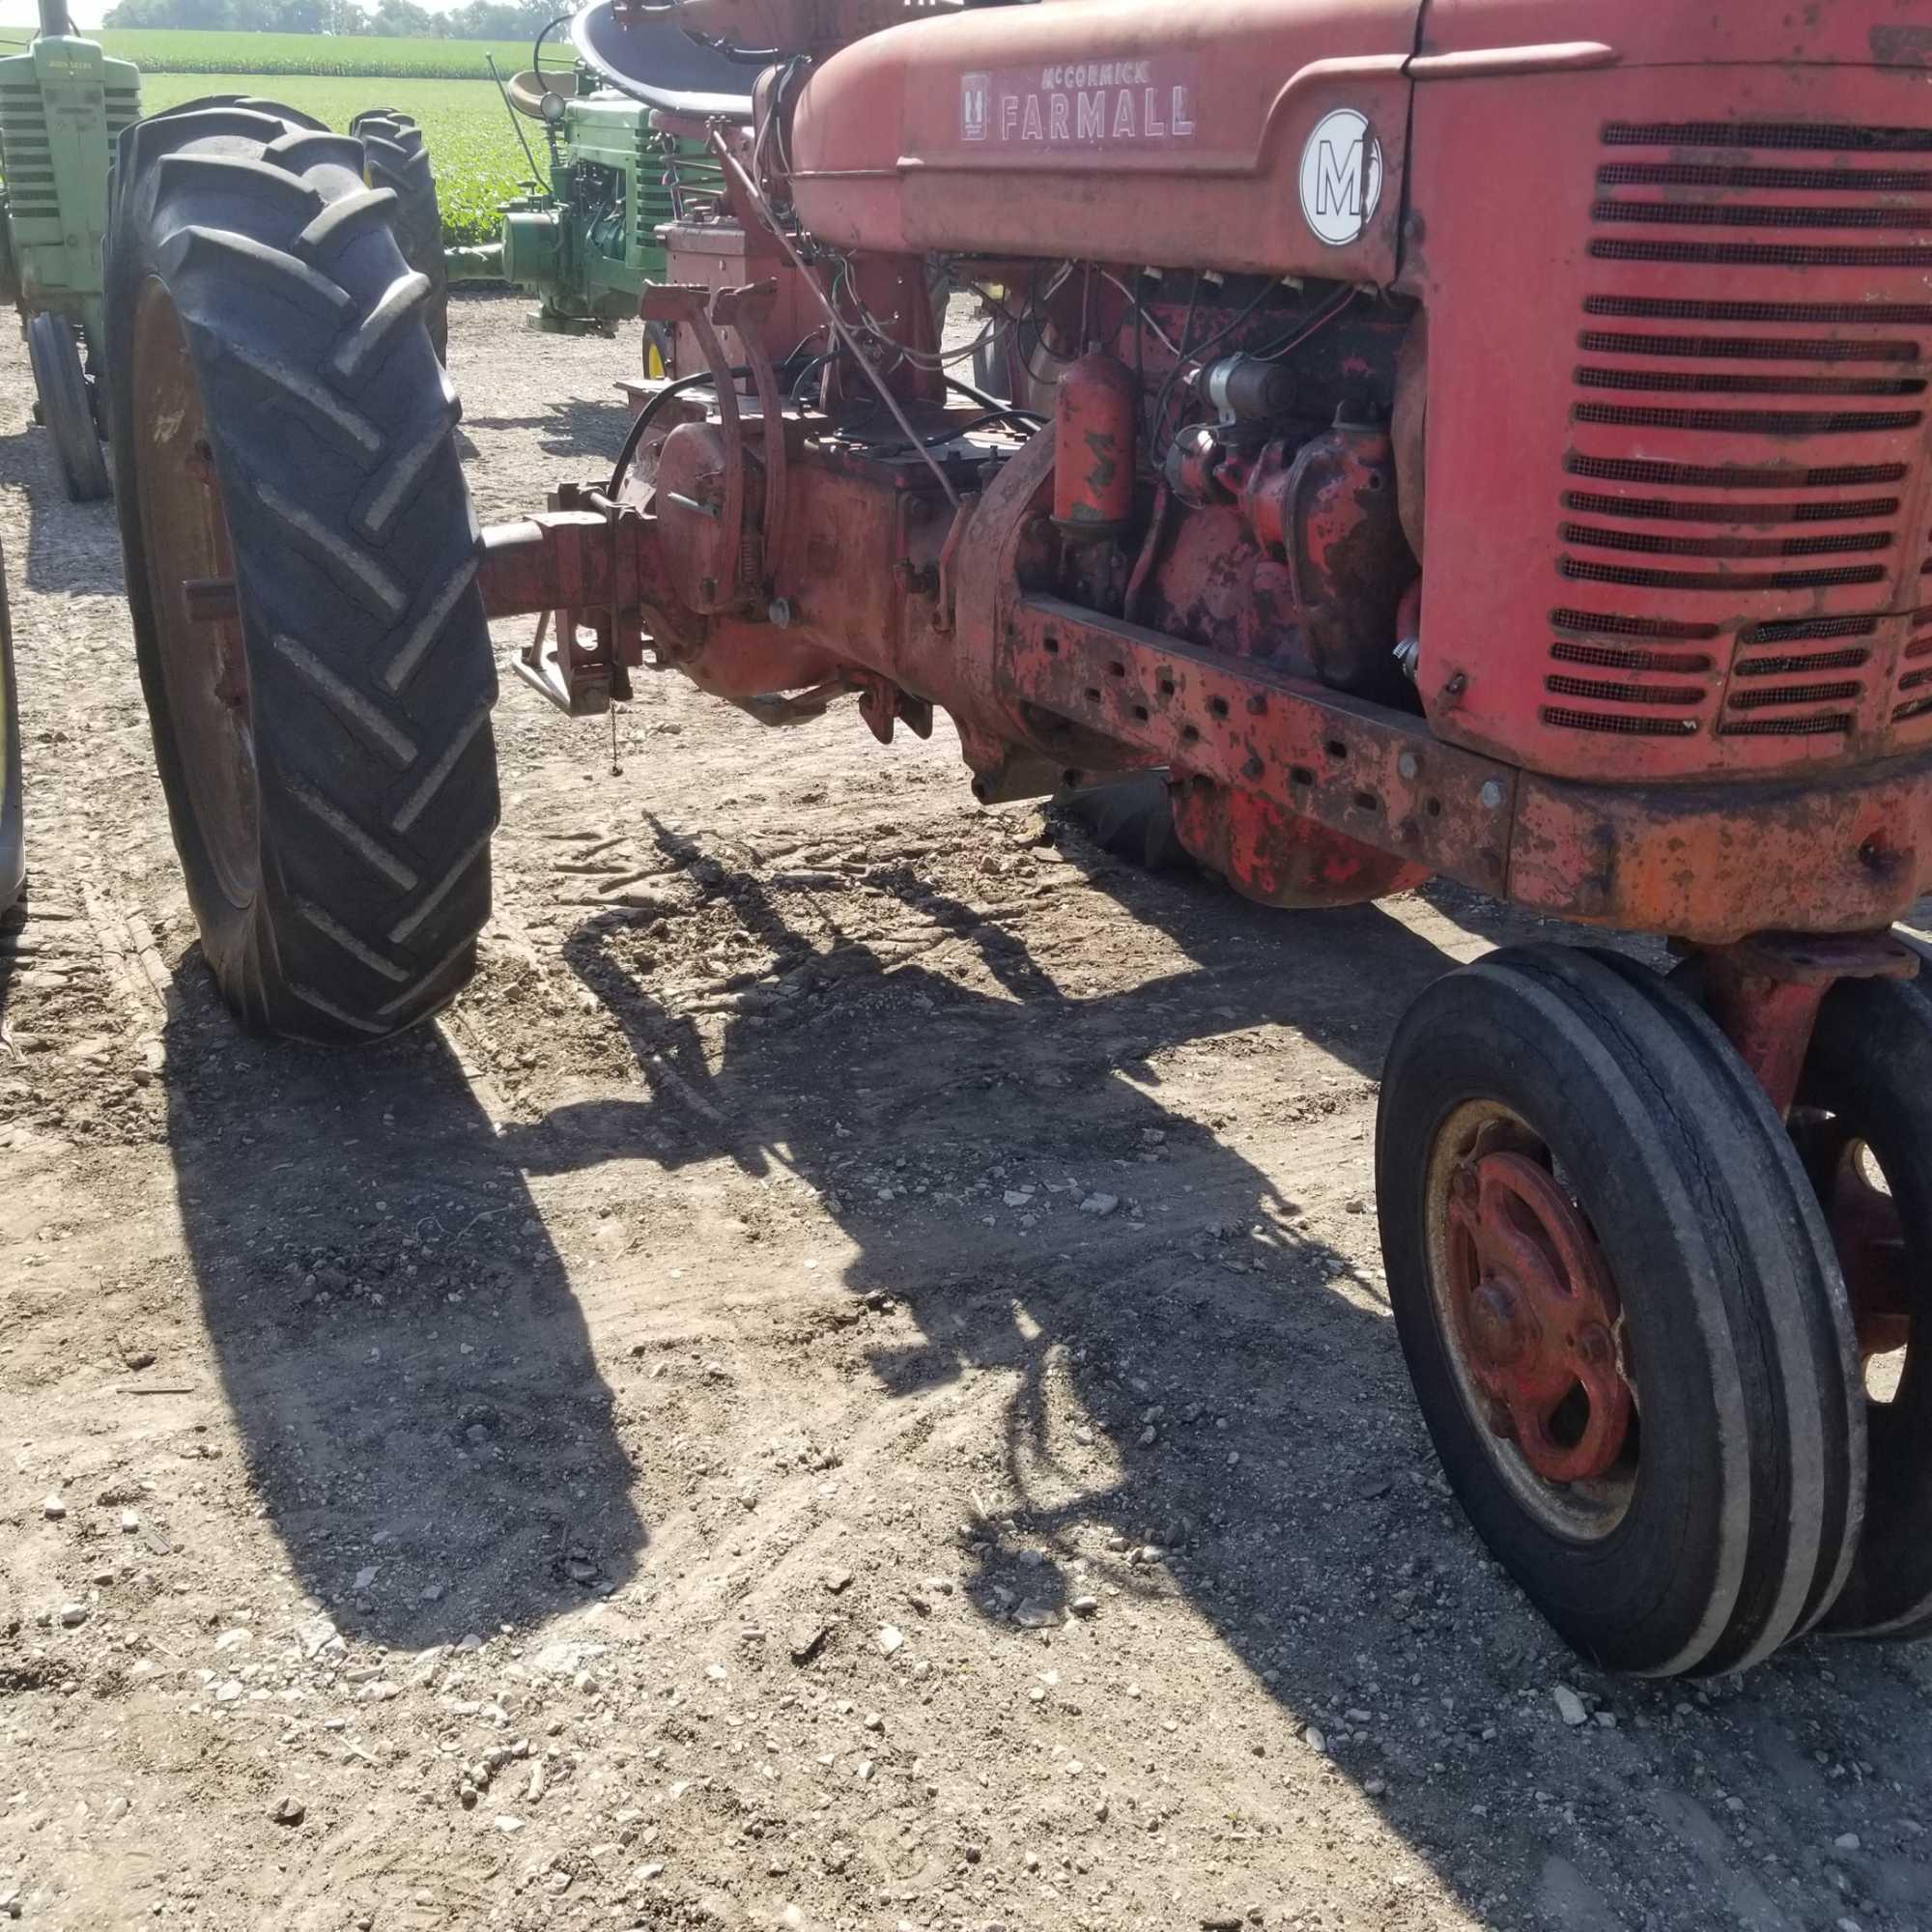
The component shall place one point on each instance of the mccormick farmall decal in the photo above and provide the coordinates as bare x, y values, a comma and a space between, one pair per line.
1080, 104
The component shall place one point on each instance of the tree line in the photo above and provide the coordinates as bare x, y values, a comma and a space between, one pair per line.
475, 20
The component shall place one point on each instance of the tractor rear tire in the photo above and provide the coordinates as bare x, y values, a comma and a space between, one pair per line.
301, 565
394, 158
67, 407
255, 102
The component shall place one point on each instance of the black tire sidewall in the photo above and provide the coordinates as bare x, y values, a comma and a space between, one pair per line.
1635, 1597
1870, 1063
1796, 1271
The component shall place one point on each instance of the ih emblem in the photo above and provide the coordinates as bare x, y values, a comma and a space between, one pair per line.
976, 95
1341, 176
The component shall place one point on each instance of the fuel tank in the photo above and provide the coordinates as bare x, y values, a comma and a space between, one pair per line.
1246, 135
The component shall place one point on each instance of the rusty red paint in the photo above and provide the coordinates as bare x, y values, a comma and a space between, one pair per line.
1768, 1020
885, 153
1766, 990
1869, 1239
1330, 510
1094, 404
1710, 865
1275, 569
1644, 515
1279, 857
1534, 1315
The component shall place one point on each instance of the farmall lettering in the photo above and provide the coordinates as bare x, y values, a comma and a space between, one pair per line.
1098, 103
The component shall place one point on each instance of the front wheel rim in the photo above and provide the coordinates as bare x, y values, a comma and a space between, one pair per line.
1532, 1322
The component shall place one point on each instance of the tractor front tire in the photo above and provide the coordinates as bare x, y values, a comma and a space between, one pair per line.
393, 156
301, 565
67, 407
1620, 1309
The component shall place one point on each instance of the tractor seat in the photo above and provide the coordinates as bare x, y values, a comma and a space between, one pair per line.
662, 65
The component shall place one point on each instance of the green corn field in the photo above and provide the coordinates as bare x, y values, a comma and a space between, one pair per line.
474, 150
181, 50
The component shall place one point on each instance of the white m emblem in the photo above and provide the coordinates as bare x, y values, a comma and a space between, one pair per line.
1341, 176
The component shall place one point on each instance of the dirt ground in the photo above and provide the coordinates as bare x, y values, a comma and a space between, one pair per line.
846, 1384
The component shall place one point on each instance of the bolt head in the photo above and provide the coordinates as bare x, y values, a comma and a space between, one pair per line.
1595, 1346
1492, 794
1408, 764
1497, 1331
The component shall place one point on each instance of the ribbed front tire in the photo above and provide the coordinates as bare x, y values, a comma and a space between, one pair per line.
1722, 1524
67, 407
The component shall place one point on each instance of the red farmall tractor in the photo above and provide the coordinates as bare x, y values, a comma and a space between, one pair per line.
1484, 438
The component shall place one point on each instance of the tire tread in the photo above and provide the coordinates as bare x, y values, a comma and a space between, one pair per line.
368, 654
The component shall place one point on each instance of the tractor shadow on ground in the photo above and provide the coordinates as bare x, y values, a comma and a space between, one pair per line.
410, 1376
1247, 1405
12, 924
574, 428
71, 549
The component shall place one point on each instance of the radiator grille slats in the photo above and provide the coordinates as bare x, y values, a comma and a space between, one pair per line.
1771, 181
1746, 348
1732, 476
1749, 214
1856, 509
1788, 666
1716, 475
1679, 308
1722, 383
1754, 423
1650, 543
1823, 137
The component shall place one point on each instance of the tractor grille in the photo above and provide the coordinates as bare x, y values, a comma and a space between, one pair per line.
1739, 516
25, 158
653, 203
24, 154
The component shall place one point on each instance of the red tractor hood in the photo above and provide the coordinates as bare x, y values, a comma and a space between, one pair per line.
1246, 135
1119, 130
1817, 33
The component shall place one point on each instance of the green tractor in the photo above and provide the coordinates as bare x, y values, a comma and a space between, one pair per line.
62, 104
585, 241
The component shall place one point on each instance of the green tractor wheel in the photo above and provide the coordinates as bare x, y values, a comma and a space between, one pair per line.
67, 406
394, 158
